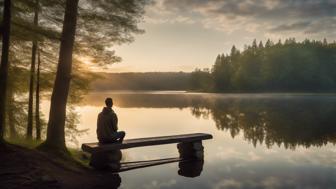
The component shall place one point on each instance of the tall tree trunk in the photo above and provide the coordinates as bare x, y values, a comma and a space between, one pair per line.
55, 132
37, 108
4, 64
10, 113
31, 91
32, 79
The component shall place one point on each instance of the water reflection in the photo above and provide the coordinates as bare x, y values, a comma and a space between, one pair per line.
260, 140
288, 120
187, 168
113, 182
291, 122
192, 168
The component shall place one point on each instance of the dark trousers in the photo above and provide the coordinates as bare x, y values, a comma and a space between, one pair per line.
117, 137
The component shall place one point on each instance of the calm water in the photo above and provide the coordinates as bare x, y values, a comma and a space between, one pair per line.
260, 140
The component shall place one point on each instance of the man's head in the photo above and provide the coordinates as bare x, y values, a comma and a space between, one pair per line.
109, 102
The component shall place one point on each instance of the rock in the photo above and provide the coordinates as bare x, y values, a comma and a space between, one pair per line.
85, 156
99, 160
115, 166
104, 160
115, 156
191, 150
198, 146
199, 155
190, 168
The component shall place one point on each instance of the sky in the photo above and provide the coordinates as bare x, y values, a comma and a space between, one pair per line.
181, 35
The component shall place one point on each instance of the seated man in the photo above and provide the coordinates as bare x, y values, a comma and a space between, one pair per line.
107, 125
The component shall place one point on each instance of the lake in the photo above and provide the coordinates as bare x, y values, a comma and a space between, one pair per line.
259, 140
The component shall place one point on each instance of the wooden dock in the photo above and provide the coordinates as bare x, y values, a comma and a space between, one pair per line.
189, 147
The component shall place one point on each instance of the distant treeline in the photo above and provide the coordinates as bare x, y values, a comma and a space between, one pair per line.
308, 66
143, 81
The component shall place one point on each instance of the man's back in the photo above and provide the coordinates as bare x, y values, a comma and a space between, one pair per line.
107, 125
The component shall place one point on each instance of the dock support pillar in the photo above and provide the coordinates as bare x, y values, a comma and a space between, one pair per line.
191, 150
106, 160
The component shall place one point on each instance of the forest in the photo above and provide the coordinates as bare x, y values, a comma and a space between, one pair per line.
289, 66
43, 45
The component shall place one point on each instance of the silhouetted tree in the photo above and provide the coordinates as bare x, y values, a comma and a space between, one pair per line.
55, 131
290, 66
32, 76
4, 64
201, 79
37, 97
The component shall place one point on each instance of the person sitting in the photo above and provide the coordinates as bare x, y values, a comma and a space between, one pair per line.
107, 125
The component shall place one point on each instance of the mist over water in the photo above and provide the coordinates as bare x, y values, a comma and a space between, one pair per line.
260, 140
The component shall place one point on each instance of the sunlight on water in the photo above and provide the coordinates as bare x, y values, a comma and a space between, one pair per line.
260, 141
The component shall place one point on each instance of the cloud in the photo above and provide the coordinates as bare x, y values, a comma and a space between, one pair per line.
157, 184
276, 16
228, 183
264, 9
271, 182
294, 26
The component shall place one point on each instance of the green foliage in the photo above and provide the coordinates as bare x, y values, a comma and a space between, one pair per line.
80, 156
289, 66
31, 144
103, 24
201, 79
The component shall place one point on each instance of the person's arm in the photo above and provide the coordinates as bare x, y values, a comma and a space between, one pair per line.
116, 121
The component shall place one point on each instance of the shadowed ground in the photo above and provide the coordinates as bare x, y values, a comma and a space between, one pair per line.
24, 168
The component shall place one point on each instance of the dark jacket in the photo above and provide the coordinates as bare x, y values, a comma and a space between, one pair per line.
107, 124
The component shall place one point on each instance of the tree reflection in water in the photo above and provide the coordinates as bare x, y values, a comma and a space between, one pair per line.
290, 120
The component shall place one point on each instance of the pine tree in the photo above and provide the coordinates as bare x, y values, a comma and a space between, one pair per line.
234, 51
268, 43
325, 42
260, 46
254, 44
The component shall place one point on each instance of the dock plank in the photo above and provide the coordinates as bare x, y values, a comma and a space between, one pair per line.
140, 142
